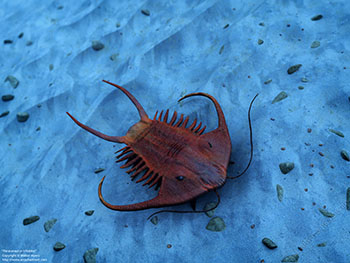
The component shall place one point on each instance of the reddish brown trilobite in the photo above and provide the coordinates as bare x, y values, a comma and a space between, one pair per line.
182, 161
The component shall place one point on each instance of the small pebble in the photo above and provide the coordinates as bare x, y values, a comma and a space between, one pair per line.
279, 192
99, 170
5, 113
321, 154
309, 130
58, 246
22, 116
209, 206
49, 224
89, 212
269, 243
261, 24
318, 17
226, 26
216, 224
30, 220
325, 212
252, 226
7, 97
260, 42
60, 7
29, 43
38, 129
268, 81
13, 81
293, 69
321, 244
8, 41
154, 220
169, 246
281, 96
345, 155
301, 249
348, 199
304, 80
117, 24
286, 167
146, 12
301, 87
97, 45
114, 57
315, 44
20, 35
90, 255
221, 49
291, 258
51, 67
337, 133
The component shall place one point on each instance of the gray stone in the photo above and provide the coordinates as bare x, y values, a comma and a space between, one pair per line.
49, 224
13, 81
30, 220
90, 255
281, 96
269, 243
58, 246
22, 116
216, 224
286, 167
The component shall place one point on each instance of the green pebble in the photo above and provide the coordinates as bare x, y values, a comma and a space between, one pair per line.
90, 255
345, 155
301, 87
260, 42
49, 224
286, 167
5, 113
221, 49
293, 69
216, 224
146, 12
291, 258
22, 116
58, 246
30, 220
13, 81
209, 206
318, 17
315, 44
7, 97
269, 243
279, 192
281, 96
325, 212
154, 220
97, 45
89, 212
268, 81
322, 244
337, 133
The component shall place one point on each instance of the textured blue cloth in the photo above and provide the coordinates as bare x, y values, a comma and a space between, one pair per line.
228, 49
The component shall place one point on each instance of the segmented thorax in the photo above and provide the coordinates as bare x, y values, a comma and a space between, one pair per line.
169, 143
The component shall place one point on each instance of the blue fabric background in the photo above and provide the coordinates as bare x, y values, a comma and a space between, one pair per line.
182, 47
